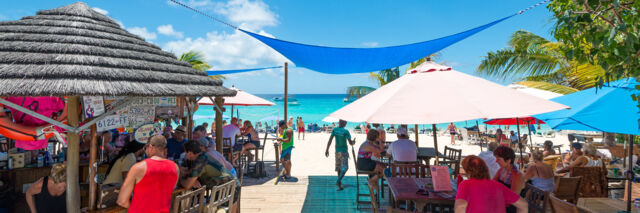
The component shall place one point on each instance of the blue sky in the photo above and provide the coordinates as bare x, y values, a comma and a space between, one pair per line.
339, 23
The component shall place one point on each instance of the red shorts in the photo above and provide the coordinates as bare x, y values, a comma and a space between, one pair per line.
301, 129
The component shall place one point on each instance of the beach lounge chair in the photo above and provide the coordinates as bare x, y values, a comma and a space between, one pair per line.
357, 130
538, 134
550, 134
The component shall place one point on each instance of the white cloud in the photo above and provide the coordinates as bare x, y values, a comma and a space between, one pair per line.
370, 44
142, 32
234, 50
101, 11
168, 30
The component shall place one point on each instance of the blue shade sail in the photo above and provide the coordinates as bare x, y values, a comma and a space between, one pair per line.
334, 60
220, 72
606, 109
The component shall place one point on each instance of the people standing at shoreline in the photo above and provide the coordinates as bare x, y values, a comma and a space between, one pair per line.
452, 131
151, 181
342, 155
286, 138
300, 125
290, 122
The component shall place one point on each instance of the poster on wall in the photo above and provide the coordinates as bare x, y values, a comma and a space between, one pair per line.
93, 106
141, 114
167, 112
164, 101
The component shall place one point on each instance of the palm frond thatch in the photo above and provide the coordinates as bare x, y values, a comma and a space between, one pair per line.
74, 50
548, 87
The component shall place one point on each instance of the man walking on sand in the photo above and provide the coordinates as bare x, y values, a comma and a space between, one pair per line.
151, 181
300, 125
342, 156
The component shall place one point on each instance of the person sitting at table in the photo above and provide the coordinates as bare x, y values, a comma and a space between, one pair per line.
588, 159
368, 149
203, 169
576, 152
254, 140
403, 149
501, 139
548, 148
175, 144
120, 165
489, 159
151, 181
514, 138
48, 194
480, 194
211, 151
540, 174
508, 174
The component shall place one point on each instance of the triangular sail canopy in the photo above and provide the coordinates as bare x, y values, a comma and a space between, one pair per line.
334, 60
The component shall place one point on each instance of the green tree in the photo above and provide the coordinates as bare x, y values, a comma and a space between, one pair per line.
358, 91
601, 32
385, 76
539, 63
197, 61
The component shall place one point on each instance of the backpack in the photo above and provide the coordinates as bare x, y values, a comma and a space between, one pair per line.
256, 170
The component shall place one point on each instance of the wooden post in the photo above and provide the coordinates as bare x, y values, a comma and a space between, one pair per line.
73, 156
187, 121
219, 124
519, 146
479, 135
93, 167
435, 141
417, 144
286, 92
530, 136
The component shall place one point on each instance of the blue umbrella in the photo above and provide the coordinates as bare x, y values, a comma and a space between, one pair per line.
606, 109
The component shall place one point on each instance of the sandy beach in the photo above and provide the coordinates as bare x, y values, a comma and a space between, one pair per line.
315, 190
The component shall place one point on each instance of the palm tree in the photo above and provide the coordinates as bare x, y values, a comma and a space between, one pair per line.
358, 91
539, 63
197, 61
385, 76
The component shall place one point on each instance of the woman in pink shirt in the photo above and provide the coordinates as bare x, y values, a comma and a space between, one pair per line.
480, 194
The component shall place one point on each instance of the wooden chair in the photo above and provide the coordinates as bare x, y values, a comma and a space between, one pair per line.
220, 195
452, 158
410, 170
190, 202
374, 202
227, 149
358, 173
566, 188
537, 199
552, 160
558, 205
593, 183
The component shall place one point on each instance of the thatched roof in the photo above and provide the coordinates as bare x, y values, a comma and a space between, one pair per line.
74, 50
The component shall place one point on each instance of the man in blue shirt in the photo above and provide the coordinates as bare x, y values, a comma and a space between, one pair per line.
175, 144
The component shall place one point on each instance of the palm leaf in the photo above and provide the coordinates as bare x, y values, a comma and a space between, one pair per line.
548, 87
198, 61
378, 78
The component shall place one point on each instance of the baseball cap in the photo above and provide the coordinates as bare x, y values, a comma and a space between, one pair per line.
576, 145
282, 122
402, 131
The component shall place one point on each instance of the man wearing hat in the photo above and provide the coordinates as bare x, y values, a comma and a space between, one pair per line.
403, 150
576, 151
286, 138
175, 144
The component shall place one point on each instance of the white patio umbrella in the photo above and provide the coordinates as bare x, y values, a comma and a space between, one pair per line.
242, 98
432, 93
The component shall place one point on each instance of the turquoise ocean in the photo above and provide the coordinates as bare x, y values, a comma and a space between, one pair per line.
312, 108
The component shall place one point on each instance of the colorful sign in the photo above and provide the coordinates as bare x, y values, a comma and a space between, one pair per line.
144, 132
93, 106
141, 114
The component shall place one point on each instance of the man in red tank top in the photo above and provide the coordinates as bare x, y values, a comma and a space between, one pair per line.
152, 181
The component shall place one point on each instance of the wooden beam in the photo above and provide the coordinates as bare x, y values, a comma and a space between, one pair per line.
73, 156
416, 130
435, 141
93, 167
218, 103
286, 90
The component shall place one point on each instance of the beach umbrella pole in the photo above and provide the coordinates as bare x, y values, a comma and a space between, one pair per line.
519, 146
479, 138
416, 131
435, 141
530, 136
630, 173
286, 88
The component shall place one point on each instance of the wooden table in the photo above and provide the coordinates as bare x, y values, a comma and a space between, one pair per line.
604, 205
426, 153
406, 188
